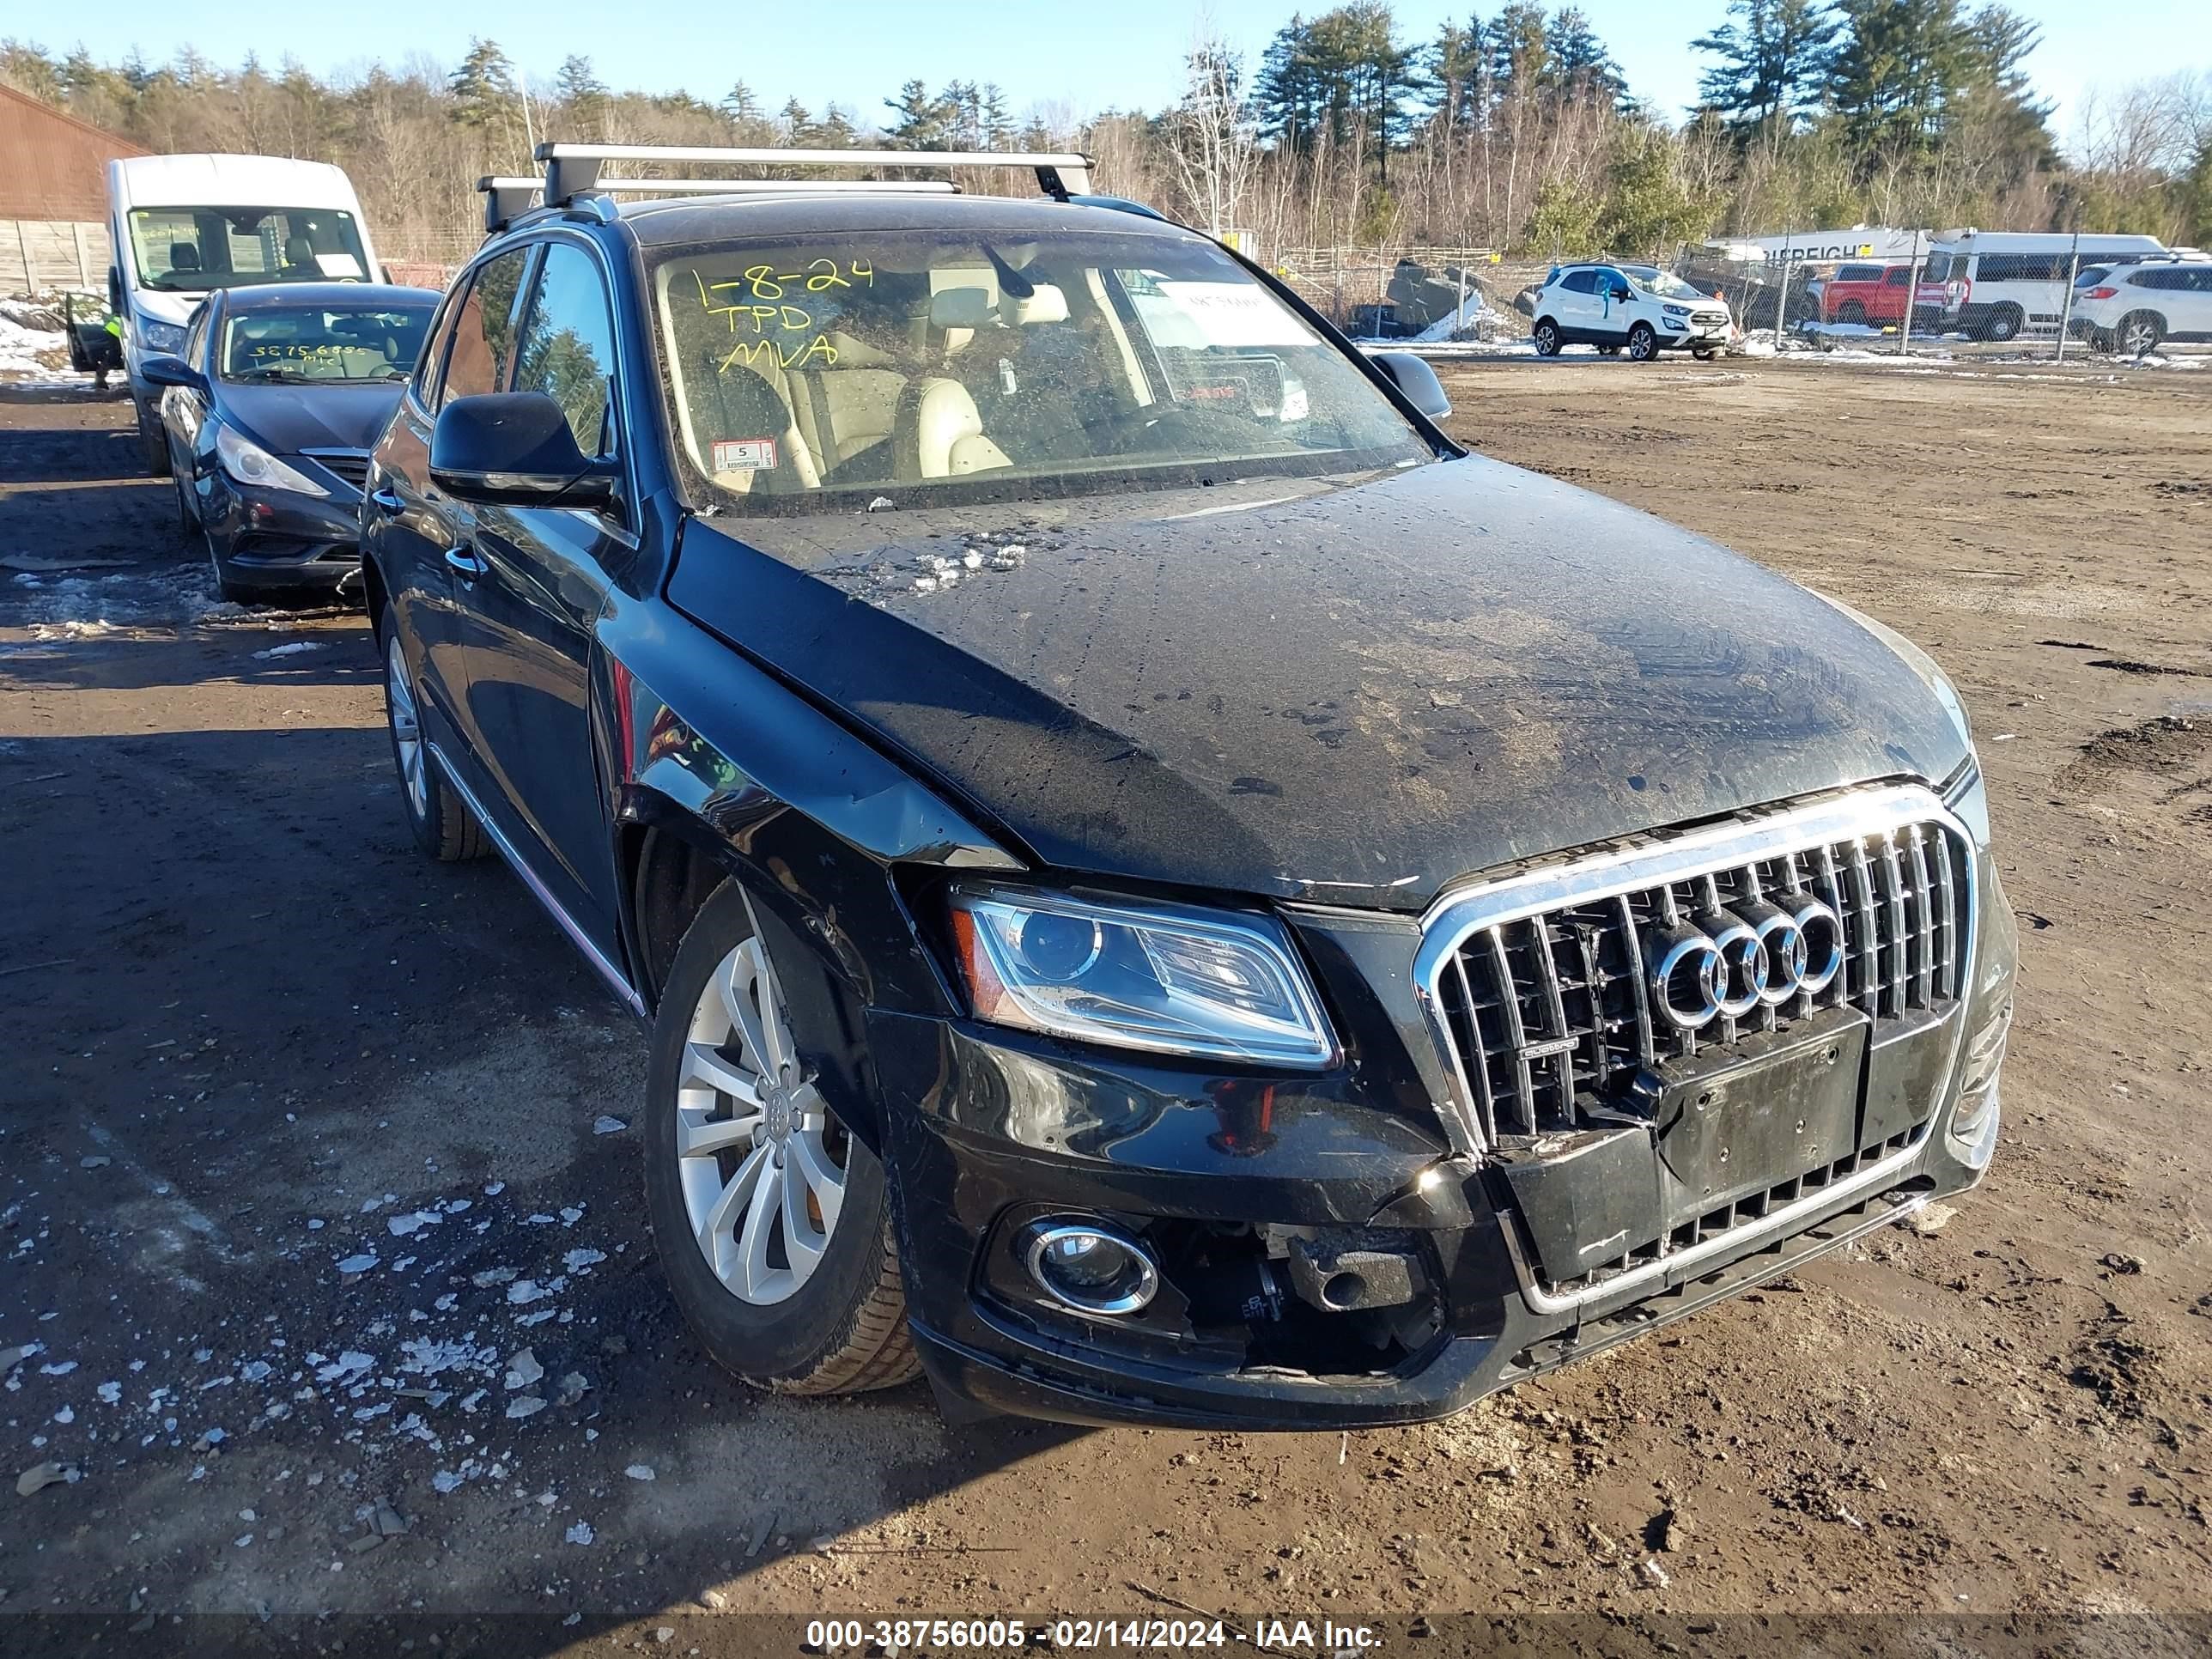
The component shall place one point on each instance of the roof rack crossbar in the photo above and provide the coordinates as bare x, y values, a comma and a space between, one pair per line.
772, 186
573, 169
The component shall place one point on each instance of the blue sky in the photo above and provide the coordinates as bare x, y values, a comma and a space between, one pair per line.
1086, 57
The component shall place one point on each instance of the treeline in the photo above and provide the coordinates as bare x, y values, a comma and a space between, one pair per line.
1517, 131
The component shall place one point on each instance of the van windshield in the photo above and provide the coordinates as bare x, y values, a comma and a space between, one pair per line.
936, 366
1937, 270
192, 250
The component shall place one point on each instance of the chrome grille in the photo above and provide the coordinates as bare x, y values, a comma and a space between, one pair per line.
1538, 987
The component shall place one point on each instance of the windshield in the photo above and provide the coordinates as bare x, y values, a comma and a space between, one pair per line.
1937, 270
194, 249
929, 367
323, 343
1665, 283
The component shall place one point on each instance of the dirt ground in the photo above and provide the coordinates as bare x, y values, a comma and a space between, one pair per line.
301, 1139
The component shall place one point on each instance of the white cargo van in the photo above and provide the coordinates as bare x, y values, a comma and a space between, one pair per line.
1996, 284
185, 225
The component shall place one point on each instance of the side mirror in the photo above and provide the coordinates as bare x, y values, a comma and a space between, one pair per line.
171, 371
1624, 293
1416, 381
514, 449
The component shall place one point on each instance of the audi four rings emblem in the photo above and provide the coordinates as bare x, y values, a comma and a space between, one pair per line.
1727, 961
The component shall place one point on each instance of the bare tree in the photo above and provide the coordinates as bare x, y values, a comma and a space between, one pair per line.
1210, 138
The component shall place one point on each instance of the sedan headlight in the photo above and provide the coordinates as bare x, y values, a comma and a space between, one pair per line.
1162, 977
248, 463
160, 336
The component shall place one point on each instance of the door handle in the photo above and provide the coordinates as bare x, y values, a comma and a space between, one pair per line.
386, 500
463, 560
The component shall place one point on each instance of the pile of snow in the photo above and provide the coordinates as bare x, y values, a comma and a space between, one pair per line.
31, 352
1460, 320
62, 606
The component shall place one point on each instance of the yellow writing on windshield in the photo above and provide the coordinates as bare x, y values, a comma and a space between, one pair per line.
767, 354
758, 296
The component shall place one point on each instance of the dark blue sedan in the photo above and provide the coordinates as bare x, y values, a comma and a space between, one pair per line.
269, 412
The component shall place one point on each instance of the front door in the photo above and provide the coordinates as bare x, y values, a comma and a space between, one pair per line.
533, 605
1610, 309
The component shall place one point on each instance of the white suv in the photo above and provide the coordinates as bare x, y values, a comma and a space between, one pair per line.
1641, 308
2133, 308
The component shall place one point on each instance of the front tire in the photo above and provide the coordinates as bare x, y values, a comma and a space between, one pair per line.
2001, 324
188, 514
1643, 343
1548, 338
772, 1220
439, 818
155, 442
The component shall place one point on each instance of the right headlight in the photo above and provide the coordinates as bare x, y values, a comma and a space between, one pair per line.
1167, 978
250, 464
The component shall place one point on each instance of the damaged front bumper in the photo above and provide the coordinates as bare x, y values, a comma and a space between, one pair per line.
1252, 1193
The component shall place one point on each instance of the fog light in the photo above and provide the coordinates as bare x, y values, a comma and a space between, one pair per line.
1091, 1268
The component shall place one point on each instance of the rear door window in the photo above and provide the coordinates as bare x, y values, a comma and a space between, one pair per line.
1858, 273
483, 332
1581, 282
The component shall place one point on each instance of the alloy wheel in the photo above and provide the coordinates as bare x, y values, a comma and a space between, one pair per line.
761, 1158
2138, 336
406, 729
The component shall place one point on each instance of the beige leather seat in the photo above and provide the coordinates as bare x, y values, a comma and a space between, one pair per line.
851, 405
940, 435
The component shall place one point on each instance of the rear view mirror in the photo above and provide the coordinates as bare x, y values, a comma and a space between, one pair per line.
514, 448
1416, 381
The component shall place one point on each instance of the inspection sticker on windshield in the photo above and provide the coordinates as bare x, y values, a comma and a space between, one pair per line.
743, 454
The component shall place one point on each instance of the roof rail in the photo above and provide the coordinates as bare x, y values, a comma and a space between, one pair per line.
572, 170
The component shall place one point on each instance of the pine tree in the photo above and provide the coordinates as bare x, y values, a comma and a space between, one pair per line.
1774, 63
740, 106
1519, 48
1580, 64
577, 86
483, 86
1999, 41
1901, 66
919, 121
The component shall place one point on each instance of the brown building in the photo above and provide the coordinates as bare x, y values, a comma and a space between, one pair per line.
57, 167
53, 196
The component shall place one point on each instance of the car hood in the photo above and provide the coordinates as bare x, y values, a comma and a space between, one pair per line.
1357, 694
288, 419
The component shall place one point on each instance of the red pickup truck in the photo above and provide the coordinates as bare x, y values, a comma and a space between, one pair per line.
1870, 294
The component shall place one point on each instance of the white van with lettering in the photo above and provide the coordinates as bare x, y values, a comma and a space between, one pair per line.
183, 226
1998, 284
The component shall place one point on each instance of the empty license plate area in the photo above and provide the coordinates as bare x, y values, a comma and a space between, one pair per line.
1771, 1108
